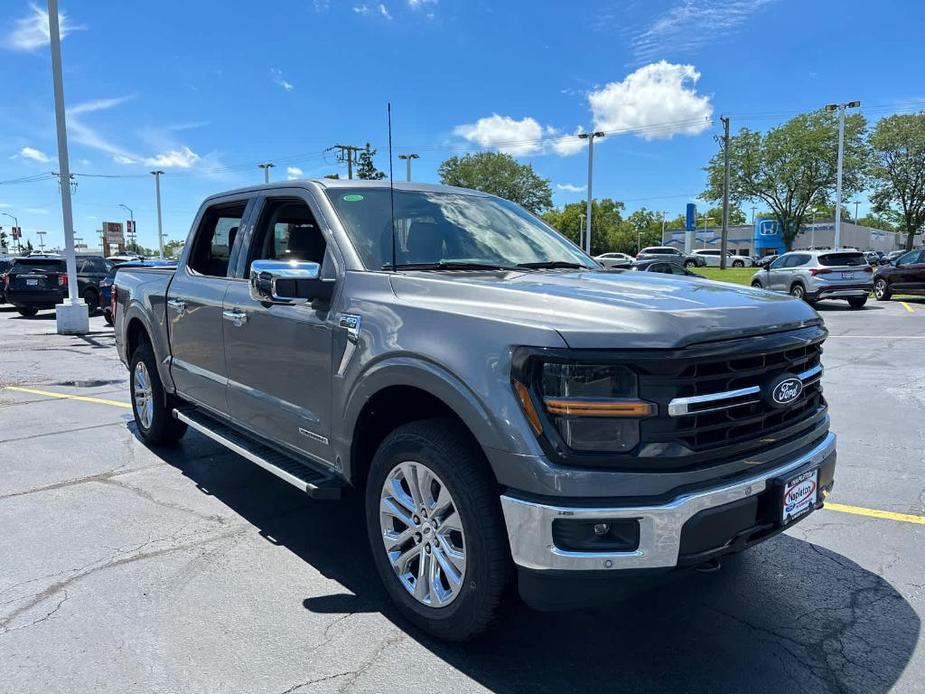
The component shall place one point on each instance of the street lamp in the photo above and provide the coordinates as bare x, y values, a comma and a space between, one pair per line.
590, 138
841, 155
131, 216
705, 220
266, 170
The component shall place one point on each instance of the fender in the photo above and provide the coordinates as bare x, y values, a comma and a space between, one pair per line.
429, 377
134, 310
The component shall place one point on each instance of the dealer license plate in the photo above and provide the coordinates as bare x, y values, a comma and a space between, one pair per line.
799, 495
847, 275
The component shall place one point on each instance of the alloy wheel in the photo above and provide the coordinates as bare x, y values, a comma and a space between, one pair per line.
143, 395
423, 534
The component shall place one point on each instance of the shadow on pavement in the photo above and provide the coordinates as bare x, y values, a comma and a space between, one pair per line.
786, 615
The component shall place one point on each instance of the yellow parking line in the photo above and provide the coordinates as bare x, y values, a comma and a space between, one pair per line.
65, 396
875, 513
908, 307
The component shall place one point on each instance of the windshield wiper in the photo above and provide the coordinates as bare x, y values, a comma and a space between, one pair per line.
553, 264
447, 265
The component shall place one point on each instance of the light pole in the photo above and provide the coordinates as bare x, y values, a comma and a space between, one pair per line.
590, 138
812, 232
840, 168
266, 170
131, 216
663, 227
581, 230
856, 203
41, 239
408, 158
705, 220
753, 215
157, 192
15, 227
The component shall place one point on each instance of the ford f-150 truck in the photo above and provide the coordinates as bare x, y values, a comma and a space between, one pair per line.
509, 409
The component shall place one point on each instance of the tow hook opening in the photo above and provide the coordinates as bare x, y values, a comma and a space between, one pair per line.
709, 566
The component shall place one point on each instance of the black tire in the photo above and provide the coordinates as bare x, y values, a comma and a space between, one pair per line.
27, 312
690, 263
162, 427
857, 302
757, 285
107, 316
738, 263
448, 451
91, 298
798, 291
882, 290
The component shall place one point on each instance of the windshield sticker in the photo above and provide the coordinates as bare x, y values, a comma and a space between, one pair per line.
353, 197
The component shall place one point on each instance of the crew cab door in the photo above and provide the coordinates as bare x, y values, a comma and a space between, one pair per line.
278, 355
194, 306
909, 275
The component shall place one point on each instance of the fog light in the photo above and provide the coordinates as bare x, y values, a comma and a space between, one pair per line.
620, 535
601, 528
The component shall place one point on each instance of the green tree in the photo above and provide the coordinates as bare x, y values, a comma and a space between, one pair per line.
898, 144
366, 167
173, 248
499, 174
28, 248
876, 222
606, 218
3, 238
791, 168
736, 216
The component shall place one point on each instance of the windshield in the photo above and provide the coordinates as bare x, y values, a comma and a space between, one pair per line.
437, 229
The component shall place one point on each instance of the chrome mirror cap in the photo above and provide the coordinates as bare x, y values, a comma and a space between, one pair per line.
281, 281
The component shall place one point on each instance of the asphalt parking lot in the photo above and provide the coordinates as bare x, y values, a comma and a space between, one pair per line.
189, 569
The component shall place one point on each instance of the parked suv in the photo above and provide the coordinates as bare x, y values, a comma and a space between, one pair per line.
37, 282
712, 256
904, 275
671, 254
504, 406
5, 264
815, 275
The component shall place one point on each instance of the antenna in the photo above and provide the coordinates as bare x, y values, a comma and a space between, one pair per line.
392, 190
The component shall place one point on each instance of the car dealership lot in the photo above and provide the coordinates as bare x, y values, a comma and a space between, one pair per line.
189, 569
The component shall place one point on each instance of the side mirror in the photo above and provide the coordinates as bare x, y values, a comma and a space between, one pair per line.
288, 282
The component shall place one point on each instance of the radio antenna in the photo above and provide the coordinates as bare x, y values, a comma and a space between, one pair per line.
392, 190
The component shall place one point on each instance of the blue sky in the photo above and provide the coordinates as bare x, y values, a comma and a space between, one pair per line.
206, 90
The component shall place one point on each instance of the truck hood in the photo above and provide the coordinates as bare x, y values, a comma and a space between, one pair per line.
607, 310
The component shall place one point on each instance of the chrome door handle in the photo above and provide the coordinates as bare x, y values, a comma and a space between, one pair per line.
236, 317
177, 305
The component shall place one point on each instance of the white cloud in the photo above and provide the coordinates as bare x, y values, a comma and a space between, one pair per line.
384, 11
35, 210
182, 158
693, 24
516, 137
83, 134
33, 154
293, 172
656, 101
361, 9
32, 32
278, 80
570, 188
567, 145
416, 4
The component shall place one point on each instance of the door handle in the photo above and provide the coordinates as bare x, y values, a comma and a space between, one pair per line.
236, 317
177, 305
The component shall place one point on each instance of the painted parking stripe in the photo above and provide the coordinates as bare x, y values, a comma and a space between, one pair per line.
66, 396
875, 513
907, 306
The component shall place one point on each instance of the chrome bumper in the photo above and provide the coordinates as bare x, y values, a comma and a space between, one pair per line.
529, 524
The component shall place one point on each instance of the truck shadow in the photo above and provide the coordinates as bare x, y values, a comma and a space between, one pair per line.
785, 615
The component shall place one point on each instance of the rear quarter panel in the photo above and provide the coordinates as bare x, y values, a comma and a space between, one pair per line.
142, 296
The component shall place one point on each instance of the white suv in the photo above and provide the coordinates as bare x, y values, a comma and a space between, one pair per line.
712, 257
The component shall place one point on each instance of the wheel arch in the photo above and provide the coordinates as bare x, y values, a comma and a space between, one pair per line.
138, 328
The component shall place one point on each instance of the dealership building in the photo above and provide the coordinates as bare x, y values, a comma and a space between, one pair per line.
764, 238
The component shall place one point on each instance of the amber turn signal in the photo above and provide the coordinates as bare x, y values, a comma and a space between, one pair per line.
598, 408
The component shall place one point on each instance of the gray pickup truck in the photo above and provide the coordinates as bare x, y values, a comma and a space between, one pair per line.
509, 410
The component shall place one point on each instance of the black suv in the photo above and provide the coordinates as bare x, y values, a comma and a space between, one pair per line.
39, 282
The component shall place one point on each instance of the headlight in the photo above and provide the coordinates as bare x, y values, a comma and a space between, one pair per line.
593, 407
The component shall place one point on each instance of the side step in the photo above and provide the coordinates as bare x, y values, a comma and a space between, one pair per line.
315, 483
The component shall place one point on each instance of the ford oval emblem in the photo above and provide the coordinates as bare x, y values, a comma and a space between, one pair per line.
786, 390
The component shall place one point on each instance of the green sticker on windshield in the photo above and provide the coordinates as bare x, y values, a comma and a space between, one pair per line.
353, 197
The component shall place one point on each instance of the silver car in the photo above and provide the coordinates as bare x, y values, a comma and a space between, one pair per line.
712, 257
815, 275
612, 260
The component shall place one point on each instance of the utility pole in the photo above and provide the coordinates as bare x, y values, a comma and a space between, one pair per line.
408, 158
266, 170
157, 192
663, 228
590, 138
856, 203
724, 243
753, 214
840, 168
347, 154
581, 231
72, 317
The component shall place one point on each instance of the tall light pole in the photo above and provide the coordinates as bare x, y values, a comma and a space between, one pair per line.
157, 192
15, 226
590, 138
72, 316
840, 168
724, 241
408, 158
812, 232
662, 215
131, 216
705, 220
856, 203
266, 170
753, 214
581, 230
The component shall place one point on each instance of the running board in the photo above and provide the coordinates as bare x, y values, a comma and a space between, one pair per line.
315, 483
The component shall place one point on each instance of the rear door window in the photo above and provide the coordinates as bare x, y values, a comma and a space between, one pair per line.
215, 239
796, 260
842, 259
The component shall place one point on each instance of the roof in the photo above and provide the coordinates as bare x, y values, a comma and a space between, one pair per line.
348, 183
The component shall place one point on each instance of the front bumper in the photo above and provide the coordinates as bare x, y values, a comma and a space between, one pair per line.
661, 527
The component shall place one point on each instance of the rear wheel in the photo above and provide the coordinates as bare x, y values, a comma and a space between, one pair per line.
92, 299
738, 263
151, 406
857, 302
107, 316
436, 530
27, 312
798, 291
882, 290
690, 263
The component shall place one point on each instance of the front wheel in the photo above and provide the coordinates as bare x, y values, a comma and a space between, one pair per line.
92, 300
150, 404
27, 312
436, 529
882, 290
738, 263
